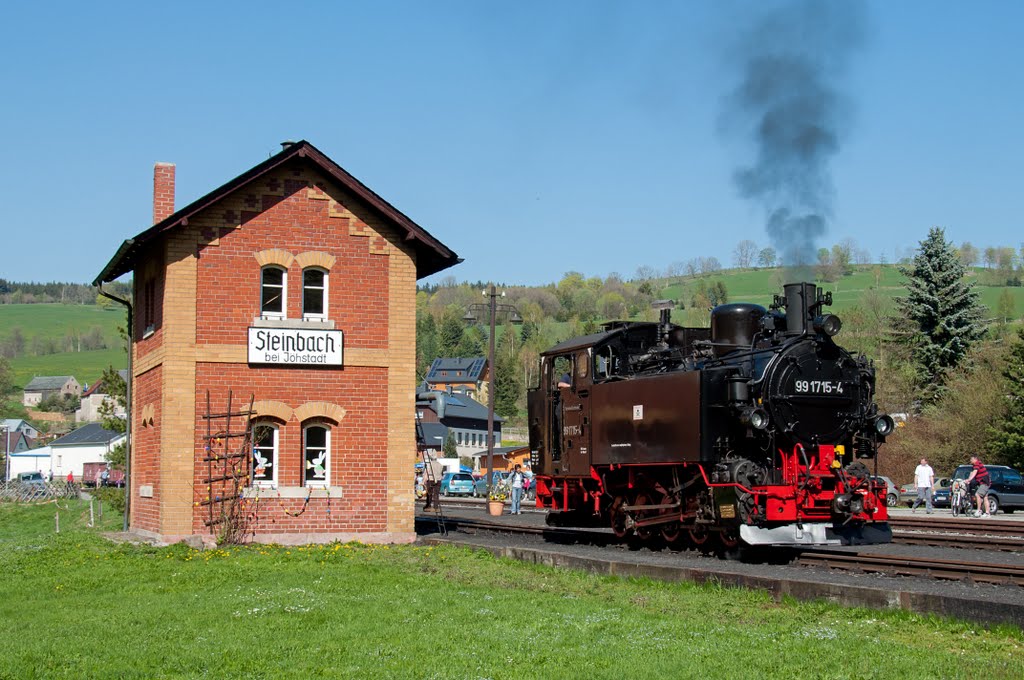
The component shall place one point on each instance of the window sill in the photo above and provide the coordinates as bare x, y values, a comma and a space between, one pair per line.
292, 492
324, 325
148, 332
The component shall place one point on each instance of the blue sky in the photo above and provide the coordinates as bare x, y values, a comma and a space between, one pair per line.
533, 138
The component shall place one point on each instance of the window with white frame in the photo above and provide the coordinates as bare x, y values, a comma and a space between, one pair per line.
273, 284
264, 454
316, 453
314, 294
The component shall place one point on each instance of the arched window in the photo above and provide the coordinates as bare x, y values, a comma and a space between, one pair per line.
314, 294
316, 455
264, 454
272, 292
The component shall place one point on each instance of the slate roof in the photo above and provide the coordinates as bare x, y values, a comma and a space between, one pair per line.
459, 406
93, 433
47, 382
432, 256
13, 424
456, 369
431, 432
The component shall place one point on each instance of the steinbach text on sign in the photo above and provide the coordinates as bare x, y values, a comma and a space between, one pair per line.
295, 346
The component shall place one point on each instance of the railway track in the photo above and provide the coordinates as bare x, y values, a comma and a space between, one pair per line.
862, 562
952, 570
962, 533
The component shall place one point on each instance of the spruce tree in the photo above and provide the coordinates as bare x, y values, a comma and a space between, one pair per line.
508, 384
1007, 435
449, 335
941, 313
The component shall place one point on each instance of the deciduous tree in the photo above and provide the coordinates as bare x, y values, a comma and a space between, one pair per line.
1007, 435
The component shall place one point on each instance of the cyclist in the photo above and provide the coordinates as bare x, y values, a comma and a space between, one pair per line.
979, 475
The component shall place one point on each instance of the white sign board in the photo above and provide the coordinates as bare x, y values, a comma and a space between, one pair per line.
294, 347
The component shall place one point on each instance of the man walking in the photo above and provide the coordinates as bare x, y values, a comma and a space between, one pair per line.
924, 479
980, 476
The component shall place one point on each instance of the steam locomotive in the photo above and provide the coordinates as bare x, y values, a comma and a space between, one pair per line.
755, 432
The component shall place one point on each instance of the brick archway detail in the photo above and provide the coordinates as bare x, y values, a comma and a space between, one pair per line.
273, 409
319, 409
277, 256
315, 259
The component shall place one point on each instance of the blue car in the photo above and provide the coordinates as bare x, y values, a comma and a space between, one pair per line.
457, 484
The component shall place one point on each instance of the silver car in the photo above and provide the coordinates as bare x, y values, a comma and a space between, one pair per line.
892, 492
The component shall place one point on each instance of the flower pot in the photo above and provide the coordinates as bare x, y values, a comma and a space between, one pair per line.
495, 507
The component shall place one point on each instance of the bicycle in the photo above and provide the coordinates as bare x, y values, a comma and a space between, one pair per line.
960, 499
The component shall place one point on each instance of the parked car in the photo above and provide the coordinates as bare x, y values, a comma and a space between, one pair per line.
480, 488
32, 478
1007, 492
908, 492
892, 492
457, 484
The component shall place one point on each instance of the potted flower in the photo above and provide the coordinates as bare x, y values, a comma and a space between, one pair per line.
496, 500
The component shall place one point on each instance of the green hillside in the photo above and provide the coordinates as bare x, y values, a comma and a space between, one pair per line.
759, 286
60, 322
87, 367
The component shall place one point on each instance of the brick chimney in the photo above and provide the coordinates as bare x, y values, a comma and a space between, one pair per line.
163, 191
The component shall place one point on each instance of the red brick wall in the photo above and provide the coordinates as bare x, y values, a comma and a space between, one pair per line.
229, 275
358, 443
145, 463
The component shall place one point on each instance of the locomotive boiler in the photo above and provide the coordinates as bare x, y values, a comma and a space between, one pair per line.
757, 431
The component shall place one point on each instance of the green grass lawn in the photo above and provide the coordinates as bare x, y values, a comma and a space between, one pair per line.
77, 606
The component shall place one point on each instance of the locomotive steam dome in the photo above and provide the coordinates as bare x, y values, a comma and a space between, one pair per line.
813, 392
733, 326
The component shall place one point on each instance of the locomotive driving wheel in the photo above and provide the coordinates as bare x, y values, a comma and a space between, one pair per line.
699, 535
618, 519
643, 533
671, 533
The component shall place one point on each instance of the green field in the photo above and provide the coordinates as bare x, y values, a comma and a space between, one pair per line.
75, 606
58, 321
759, 287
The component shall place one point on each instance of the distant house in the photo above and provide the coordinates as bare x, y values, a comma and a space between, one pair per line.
505, 458
14, 441
44, 386
464, 418
459, 376
88, 444
19, 425
93, 397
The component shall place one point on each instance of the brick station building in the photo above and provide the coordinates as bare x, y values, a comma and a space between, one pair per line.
296, 284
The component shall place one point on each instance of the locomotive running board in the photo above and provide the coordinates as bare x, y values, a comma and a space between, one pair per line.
815, 534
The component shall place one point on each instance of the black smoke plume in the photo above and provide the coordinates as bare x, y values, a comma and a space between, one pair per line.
792, 57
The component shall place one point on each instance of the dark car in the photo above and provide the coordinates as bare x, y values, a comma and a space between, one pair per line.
1007, 492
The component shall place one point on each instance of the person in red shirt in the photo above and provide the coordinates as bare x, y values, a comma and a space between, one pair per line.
979, 475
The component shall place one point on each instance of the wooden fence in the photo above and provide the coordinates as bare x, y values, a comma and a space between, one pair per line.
19, 492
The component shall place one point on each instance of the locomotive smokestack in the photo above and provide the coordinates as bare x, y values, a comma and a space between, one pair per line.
787, 103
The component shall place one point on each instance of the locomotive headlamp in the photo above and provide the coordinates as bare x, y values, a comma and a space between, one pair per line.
884, 425
829, 324
755, 418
